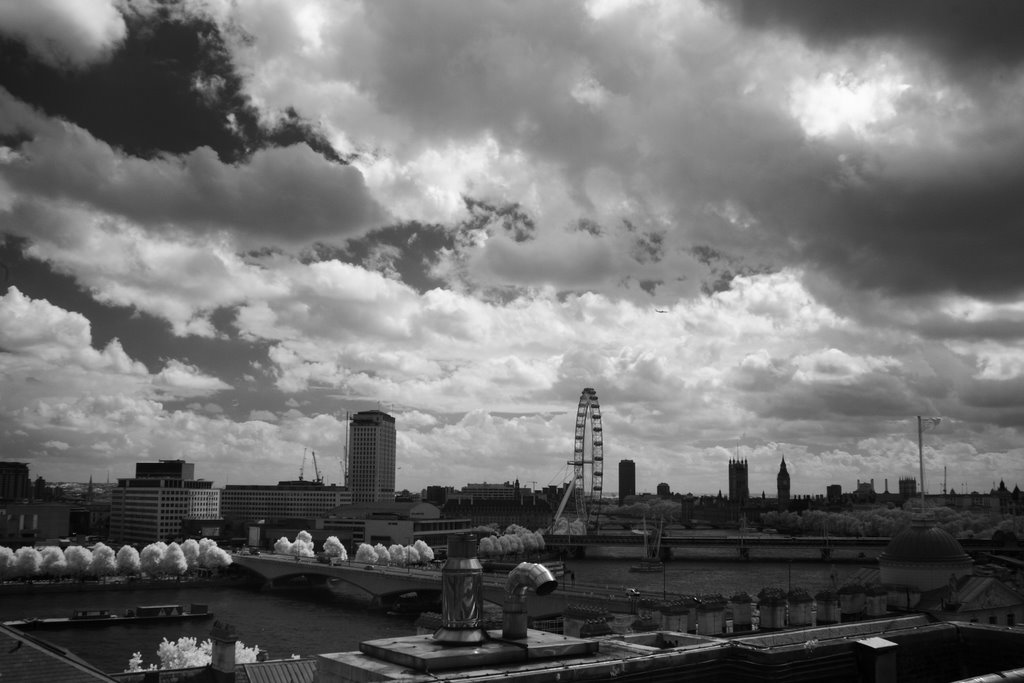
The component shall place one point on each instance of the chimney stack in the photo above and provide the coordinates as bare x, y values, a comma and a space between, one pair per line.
462, 597
222, 659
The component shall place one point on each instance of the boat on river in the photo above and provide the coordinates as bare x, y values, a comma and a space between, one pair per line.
650, 562
105, 617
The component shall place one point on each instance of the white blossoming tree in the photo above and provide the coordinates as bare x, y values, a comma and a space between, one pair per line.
216, 558
104, 561
426, 553
366, 554
383, 556
173, 561
303, 546
190, 548
27, 561
128, 561
335, 548
206, 545
150, 557
53, 563
185, 652
77, 560
6, 562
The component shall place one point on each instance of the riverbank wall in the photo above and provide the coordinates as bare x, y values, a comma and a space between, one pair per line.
32, 587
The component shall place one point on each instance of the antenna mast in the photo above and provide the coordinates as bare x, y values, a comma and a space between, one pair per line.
344, 462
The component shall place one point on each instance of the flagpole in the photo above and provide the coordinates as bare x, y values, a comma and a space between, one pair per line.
920, 459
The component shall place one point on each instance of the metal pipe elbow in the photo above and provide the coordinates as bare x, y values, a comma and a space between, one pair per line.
529, 575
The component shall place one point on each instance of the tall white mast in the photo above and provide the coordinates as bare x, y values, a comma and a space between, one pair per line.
920, 457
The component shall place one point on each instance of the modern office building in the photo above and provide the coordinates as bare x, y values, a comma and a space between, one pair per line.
371, 457
151, 506
739, 490
291, 499
627, 479
782, 485
15, 484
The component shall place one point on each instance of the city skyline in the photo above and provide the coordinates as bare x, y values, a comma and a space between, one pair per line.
757, 229
886, 484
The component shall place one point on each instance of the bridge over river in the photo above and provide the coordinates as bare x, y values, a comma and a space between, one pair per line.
744, 544
383, 584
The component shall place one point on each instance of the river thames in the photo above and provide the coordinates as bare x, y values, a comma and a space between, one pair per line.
312, 621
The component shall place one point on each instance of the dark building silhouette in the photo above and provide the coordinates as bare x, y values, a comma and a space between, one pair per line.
627, 479
834, 493
532, 511
664, 490
437, 495
15, 484
165, 469
782, 483
908, 487
739, 489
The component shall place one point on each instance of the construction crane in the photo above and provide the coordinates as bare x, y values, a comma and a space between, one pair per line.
316, 470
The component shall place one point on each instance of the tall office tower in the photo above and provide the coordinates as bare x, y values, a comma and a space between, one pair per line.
371, 457
908, 487
739, 491
782, 482
627, 479
151, 506
15, 484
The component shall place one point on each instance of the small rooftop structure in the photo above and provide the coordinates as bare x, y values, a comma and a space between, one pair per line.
24, 658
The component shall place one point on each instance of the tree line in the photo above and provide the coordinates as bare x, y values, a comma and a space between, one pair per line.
100, 561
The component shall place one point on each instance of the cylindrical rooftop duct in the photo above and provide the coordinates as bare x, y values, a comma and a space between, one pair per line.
461, 593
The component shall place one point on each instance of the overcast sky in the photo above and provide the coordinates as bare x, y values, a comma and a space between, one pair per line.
759, 229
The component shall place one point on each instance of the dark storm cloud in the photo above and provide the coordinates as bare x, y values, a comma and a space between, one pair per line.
961, 33
1002, 394
941, 223
169, 88
510, 217
143, 336
282, 195
416, 246
171, 99
873, 396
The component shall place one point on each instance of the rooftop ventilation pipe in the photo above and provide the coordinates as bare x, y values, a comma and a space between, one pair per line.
461, 593
526, 575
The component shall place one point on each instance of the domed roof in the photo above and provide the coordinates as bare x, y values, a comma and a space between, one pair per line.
923, 542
